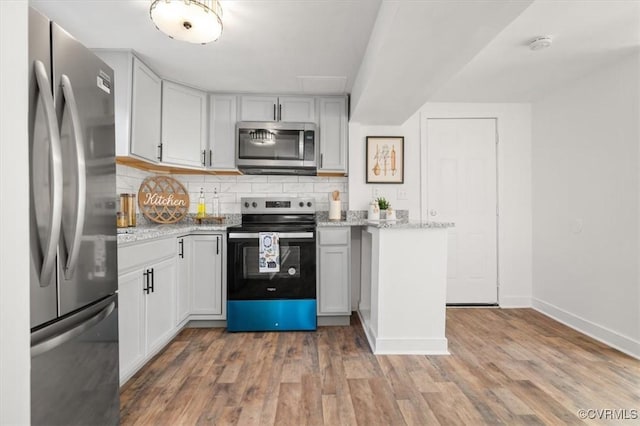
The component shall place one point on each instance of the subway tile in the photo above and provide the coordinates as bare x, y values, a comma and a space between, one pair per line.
312, 179
297, 187
282, 179
329, 187
235, 187
266, 187
253, 179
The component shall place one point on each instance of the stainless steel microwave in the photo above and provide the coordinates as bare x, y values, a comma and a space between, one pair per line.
276, 148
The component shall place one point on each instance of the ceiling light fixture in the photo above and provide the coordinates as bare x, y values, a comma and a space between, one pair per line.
541, 42
194, 21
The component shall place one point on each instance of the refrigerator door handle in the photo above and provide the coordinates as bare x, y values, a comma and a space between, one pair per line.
55, 335
55, 220
81, 201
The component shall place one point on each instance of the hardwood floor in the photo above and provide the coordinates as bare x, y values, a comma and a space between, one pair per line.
510, 367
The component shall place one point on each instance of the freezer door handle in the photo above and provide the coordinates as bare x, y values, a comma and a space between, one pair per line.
55, 219
81, 196
55, 335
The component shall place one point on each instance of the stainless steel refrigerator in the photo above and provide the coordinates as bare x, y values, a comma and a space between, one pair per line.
74, 273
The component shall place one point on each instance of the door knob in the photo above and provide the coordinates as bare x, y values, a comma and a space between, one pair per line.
433, 212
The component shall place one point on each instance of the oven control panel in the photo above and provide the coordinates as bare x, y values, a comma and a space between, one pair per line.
280, 205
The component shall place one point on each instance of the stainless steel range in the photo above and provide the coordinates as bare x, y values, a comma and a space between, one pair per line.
279, 292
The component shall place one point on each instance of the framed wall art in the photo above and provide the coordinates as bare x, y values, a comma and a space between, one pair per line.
385, 159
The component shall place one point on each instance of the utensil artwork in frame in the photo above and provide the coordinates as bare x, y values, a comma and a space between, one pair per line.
385, 159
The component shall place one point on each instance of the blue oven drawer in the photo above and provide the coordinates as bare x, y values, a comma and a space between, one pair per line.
271, 315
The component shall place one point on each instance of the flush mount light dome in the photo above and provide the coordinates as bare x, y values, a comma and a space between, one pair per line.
541, 42
194, 21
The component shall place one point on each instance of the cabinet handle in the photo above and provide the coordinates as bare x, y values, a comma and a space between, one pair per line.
146, 281
210, 158
217, 245
181, 243
152, 281
204, 157
160, 152
274, 113
280, 112
321, 160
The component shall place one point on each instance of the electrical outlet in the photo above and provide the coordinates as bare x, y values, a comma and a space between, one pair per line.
377, 193
402, 194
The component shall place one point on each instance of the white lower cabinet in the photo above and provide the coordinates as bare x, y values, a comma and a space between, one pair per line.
146, 307
183, 280
334, 271
208, 295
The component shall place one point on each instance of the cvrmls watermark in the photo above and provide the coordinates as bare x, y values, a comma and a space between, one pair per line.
609, 414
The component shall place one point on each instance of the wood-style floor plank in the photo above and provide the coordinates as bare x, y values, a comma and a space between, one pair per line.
508, 367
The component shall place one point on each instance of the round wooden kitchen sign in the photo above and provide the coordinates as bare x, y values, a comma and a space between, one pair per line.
163, 199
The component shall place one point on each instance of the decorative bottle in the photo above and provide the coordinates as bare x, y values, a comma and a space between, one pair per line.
215, 205
202, 210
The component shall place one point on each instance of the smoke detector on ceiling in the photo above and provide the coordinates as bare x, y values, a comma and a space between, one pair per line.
541, 42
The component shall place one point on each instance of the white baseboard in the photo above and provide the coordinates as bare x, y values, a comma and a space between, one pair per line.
602, 334
404, 346
508, 302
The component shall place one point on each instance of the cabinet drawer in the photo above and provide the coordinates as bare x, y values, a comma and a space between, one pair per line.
138, 255
333, 236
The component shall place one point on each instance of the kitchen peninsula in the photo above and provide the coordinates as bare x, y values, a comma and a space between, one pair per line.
403, 287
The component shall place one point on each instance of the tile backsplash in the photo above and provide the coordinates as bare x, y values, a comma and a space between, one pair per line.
232, 188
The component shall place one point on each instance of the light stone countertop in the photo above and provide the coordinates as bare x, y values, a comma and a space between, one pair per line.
384, 224
149, 232
145, 232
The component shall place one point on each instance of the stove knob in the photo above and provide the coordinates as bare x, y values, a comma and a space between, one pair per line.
254, 204
309, 204
301, 204
246, 204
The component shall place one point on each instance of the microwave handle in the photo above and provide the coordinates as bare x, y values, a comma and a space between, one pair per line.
301, 145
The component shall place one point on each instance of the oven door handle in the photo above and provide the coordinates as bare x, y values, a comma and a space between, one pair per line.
283, 235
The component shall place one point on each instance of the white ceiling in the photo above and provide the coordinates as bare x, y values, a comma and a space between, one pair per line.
391, 55
266, 45
586, 35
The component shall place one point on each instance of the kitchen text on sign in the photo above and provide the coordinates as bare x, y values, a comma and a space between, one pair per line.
160, 199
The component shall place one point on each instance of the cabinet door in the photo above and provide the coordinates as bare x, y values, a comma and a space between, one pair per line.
184, 125
145, 112
334, 291
333, 134
160, 304
258, 108
131, 322
297, 109
222, 134
206, 274
183, 280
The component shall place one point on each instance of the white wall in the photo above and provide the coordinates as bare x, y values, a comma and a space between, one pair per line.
514, 191
14, 218
586, 204
361, 193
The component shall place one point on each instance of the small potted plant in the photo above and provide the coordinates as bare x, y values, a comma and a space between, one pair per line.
383, 204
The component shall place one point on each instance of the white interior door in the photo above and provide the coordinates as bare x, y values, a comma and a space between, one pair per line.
461, 188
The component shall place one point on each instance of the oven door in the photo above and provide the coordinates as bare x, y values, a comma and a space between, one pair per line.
297, 276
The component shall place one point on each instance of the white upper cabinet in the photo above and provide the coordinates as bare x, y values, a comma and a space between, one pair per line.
297, 109
145, 111
333, 134
274, 108
258, 108
184, 125
138, 92
222, 135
